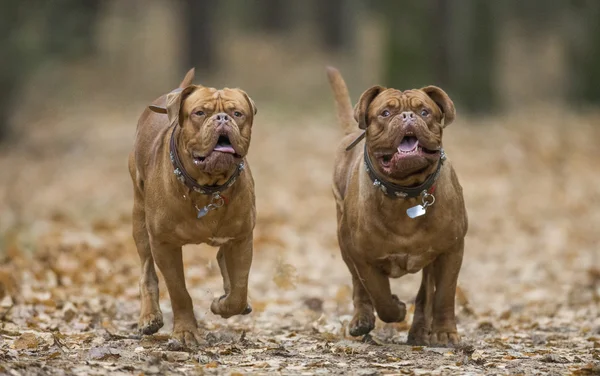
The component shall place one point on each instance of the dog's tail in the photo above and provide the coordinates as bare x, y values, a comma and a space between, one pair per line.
187, 80
342, 100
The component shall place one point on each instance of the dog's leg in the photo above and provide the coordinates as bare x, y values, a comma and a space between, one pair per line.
363, 320
420, 329
235, 258
224, 274
151, 319
446, 269
389, 308
170, 262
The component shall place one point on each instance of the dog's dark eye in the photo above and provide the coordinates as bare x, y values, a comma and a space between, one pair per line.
385, 113
199, 113
237, 114
424, 112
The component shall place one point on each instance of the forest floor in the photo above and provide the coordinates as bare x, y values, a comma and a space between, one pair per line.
529, 296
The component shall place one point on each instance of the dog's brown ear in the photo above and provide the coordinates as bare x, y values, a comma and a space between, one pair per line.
250, 101
157, 109
174, 101
443, 101
362, 107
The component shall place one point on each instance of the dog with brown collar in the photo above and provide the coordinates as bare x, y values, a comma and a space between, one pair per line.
400, 207
192, 184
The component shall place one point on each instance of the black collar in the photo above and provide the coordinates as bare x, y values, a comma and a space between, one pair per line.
397, 191
190, 182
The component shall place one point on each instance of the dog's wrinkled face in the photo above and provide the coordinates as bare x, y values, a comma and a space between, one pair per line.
404, 130
216, 126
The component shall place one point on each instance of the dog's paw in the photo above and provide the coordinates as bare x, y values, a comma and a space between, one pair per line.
189, 338
444, 339
150, 323
401, 307
394, 312
226, 308
418, 336
362, 323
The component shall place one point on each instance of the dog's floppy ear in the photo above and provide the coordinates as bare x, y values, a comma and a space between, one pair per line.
157, 109
250, 101
362, 107
443, 101
174, 101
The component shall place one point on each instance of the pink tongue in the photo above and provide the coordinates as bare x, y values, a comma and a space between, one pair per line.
408, 143
224, 149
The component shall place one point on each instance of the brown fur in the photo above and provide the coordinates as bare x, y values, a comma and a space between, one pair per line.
377, 239
164, 210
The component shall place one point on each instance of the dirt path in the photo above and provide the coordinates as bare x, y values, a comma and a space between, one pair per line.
529, 301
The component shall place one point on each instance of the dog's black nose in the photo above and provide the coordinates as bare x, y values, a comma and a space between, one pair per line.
222, 118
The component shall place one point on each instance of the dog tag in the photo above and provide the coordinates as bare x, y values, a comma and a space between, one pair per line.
416, 211
202, 212
216, 202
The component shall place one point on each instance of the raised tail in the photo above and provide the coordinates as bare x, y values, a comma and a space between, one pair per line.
187, 80
342, 100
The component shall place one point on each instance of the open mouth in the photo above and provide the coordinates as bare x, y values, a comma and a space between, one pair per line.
223, 145
409, 146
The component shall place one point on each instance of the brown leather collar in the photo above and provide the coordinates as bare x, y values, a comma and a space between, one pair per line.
397, 191
190, 182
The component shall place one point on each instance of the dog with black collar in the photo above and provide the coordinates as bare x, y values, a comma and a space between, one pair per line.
192, 184
400, 207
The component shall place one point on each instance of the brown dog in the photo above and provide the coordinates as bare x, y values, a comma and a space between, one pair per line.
192, 185
400, 207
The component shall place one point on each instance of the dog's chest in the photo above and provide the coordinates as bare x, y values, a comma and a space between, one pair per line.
203, 231
400, 254
398, 264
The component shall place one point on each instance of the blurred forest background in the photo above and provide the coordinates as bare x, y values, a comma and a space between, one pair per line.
75, 76
489, 55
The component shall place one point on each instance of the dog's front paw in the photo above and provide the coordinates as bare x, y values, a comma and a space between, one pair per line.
150, 323
395, 311
444, 338
189, 338
362, 323
418, 336
226, 307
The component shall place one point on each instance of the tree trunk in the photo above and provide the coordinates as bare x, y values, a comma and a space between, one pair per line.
199, 15
273, 15
584, 52
336, 23
409, 60
449, 43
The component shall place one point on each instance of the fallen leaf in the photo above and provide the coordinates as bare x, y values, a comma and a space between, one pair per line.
555, 358
26, 341
314, 304
69, 311
486, 327
176, 356
588, 370
285, 276
103, 353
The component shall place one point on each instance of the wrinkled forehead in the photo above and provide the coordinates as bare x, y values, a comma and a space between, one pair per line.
214, 99
404, 100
